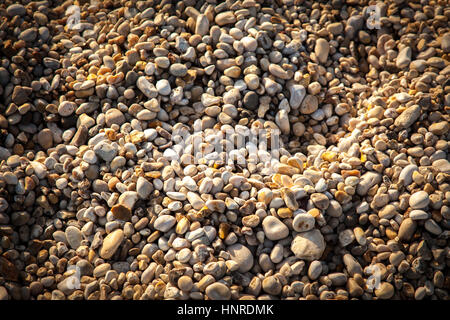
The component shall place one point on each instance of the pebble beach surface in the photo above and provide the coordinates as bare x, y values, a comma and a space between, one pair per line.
103, 105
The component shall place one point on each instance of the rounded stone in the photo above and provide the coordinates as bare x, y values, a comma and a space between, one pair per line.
419, 200
111, 243
242, 256
164, 223
274, 229
385, 291
73, 236
178, 70
308, 245
45, 138
114, 116
303, 222
218, 291
271, 285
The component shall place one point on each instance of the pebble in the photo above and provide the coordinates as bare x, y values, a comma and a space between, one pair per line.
274, 229
114, 116
407, 117
322, 49
164, 223
404, 58
308, 245
407, 230
218, 291
242, 256
419, 200
303, 222
330, 134
111, 243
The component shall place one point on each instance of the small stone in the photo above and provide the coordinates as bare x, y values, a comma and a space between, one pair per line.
250, 44
114, 116
143, 188
185, 283
303, 222
367, 181
297, 94
45, 138
322, 49
164, 223
163, 87
3, 294
271, 285
309, 104
202, 25
16, 9
385, 291
407, 230
242, 256
308, 245
105, 151
251, 100
111, 243
408, 117
218, 291
121, 212
320, 200
314, 270
224, 18
418, 215
404, 58
177, 70
439, 128
66, 108
73, 236
274, 229
443, 165
419, 200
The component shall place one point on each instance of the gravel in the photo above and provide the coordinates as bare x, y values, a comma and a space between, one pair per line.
224, 151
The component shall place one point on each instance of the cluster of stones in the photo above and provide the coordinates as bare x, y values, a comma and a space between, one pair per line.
102, 196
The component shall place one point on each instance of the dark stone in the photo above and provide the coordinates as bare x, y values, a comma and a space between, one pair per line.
251, 100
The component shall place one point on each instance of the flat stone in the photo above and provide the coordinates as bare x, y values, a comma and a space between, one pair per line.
442, 165
16, 9
309, 104
143, 188
45, 138
105, 151
201, 25
224, 18
297, 94
178, 70
66, 108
